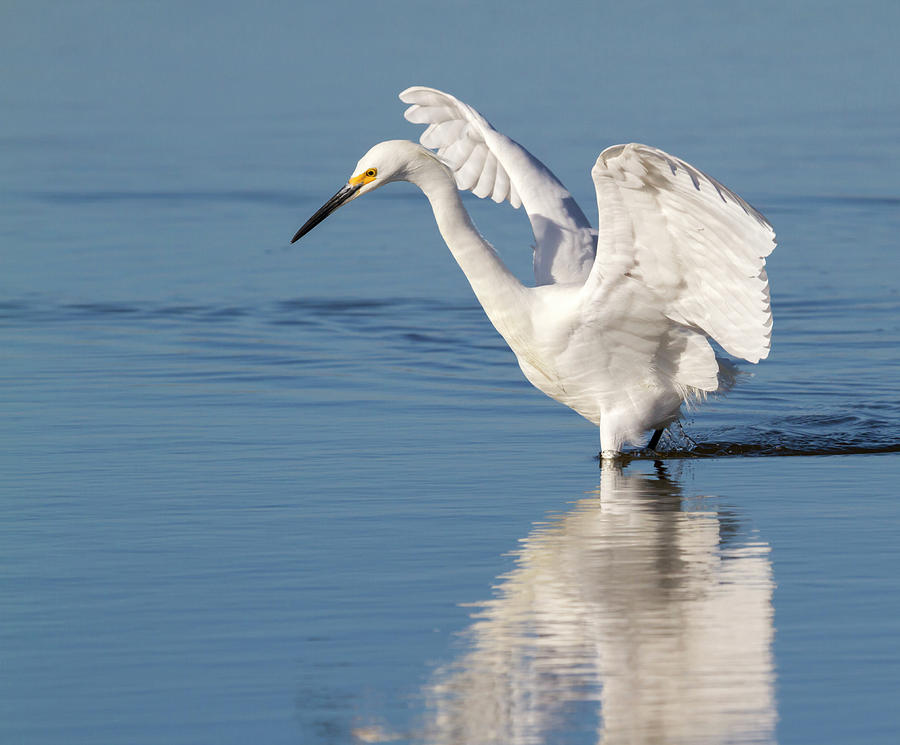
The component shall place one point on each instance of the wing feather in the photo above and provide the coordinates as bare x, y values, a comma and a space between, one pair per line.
487, 179
470, 171
428, 114
698, 246
440, 133
457, 152
492, 165
516, 201
500, 192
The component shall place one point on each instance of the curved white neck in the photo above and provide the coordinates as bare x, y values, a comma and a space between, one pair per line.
500, 293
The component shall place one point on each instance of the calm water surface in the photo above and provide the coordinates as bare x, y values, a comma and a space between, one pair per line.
305, 496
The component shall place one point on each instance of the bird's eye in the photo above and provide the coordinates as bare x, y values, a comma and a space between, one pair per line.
372, 172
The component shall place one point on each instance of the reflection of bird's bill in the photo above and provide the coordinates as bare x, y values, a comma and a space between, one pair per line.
342, 197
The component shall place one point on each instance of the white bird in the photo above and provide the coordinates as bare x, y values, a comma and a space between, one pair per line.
618, 324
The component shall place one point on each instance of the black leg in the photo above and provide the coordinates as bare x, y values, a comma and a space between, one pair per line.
654, 441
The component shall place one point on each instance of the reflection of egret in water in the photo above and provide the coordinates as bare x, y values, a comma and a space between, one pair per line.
640, 614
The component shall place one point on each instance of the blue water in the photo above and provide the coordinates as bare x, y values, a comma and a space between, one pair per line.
303, 494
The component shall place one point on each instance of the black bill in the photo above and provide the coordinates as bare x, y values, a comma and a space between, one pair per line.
326, 209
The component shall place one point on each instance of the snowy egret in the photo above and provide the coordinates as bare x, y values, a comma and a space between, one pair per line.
617, 326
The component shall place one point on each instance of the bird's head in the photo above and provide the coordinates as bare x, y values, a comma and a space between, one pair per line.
393, 160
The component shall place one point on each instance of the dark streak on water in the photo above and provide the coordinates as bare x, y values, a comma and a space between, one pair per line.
766, 448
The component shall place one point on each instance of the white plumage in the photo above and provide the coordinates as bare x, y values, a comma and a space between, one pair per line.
489, 164
618, 323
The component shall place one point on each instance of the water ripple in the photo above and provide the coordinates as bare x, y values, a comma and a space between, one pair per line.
803, 404
167, 197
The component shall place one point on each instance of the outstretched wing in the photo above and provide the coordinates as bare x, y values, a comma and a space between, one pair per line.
490, 164
697, 245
